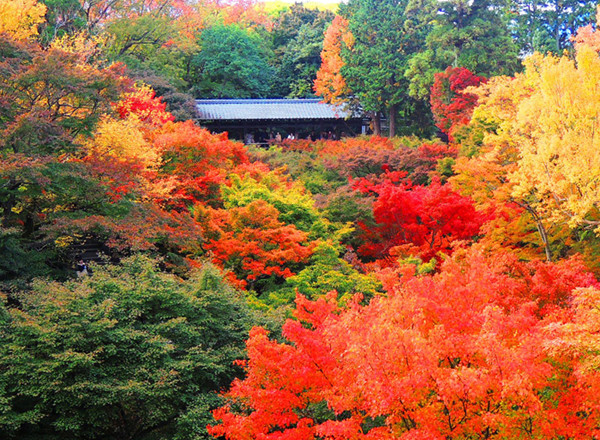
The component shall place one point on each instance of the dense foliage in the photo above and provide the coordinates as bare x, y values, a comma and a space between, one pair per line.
129, 353
157, 279
467, 353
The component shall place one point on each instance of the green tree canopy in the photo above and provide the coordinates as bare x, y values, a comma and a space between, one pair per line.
384, 39
232, 63
130, 353
62, 17
547, 25
297, 40
470, 34
48, 97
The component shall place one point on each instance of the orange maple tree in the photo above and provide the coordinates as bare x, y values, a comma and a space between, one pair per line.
143, 103
330, 83
440, 357
251, 242
194, 164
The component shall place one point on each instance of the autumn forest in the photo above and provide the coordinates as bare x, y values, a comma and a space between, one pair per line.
437, 278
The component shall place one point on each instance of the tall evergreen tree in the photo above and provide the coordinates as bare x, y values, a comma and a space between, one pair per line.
297, 40
231, 64
464, 33
548, 25
384, 39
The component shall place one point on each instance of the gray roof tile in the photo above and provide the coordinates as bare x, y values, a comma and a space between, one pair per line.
260, 109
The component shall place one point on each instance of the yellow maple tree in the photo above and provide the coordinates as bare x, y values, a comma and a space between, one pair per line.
514, 222
20, 18
85, 46
557, 129
537, 148
124, 139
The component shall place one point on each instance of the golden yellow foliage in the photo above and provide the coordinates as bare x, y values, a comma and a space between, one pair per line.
85, 46
517, 222
20, 18
541, 136
124, 138
557, 129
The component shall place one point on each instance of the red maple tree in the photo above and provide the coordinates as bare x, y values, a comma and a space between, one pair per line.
451, 106
424, 220
438, 357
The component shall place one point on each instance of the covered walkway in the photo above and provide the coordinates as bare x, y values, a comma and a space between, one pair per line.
267, 120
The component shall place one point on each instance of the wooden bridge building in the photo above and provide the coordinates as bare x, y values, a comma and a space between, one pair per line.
261, 120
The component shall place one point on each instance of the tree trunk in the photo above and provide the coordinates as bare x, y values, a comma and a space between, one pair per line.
392, 115
541, 230
376, 120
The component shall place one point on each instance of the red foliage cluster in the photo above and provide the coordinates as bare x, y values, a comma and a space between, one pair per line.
120, 176
424, 220
143, 103
547, 285
418, 163
436, 151
195, 163
439, 357
451, 106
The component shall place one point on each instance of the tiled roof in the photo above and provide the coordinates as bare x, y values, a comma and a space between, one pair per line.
260, 109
